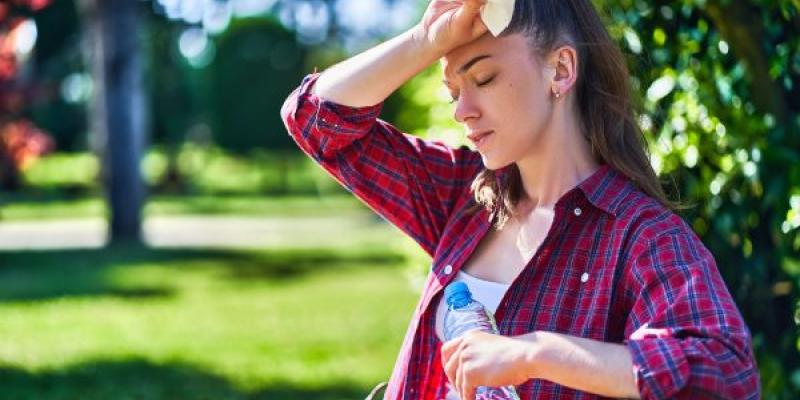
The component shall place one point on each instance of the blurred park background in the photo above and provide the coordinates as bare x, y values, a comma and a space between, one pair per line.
161, 236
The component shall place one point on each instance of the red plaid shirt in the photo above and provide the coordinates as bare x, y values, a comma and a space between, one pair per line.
653, 286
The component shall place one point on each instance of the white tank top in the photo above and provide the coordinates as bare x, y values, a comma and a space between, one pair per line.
488, 293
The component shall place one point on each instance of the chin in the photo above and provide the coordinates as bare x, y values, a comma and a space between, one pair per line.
493, 164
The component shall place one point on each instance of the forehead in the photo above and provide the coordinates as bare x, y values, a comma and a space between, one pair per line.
507, 49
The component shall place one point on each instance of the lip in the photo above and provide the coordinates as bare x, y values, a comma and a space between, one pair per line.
478, 138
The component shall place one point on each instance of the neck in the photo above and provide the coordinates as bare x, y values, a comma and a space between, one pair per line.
560, 161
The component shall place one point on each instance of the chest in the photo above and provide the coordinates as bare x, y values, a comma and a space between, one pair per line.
564, 281
503, 253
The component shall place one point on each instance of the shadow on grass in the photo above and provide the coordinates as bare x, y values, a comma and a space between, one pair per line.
144, 380
38, 275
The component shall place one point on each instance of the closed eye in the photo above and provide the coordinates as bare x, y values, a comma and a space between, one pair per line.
479, 84
486, 82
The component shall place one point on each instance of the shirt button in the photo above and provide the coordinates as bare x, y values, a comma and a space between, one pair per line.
578, 211
448, 269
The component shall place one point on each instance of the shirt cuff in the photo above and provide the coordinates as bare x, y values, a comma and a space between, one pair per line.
660, 366
337, 118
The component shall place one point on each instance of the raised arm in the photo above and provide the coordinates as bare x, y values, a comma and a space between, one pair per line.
413, 183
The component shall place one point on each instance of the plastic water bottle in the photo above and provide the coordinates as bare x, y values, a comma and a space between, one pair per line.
463, 315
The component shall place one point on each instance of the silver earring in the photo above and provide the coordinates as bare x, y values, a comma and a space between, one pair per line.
558, 95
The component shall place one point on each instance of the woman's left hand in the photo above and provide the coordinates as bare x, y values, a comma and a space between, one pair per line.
484, 359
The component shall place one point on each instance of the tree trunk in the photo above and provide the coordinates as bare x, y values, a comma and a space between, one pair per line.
117, 115
9, 174
740, 27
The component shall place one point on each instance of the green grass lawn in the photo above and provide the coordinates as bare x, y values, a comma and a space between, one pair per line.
290, 322
214, 182
136, 323
17, 207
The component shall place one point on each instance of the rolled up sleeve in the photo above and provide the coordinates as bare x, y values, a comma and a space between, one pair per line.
685, 334
322, 127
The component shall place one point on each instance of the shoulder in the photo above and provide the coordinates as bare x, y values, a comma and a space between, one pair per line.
655, 232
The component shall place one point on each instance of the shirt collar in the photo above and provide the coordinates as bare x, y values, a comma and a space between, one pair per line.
606, 188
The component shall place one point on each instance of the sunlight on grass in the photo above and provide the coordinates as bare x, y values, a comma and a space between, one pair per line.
27, 208
205, 170
316, 309
237, 317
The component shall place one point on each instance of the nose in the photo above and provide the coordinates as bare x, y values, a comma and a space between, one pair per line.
466, 108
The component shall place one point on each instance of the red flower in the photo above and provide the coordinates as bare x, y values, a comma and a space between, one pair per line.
23, 142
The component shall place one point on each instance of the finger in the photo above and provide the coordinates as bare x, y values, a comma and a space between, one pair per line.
469, 10
479, 28
456, 346
473, 6
451, 369
461, 383
472, 9
440, 8
449, 347
471, 392
460, 371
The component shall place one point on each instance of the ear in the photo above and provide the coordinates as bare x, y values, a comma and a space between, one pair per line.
564, 64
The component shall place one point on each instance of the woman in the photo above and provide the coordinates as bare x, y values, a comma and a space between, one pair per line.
557, 221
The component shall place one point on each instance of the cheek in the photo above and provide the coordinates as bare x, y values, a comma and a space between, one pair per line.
523, 107
525, 126
528, 95
521, 93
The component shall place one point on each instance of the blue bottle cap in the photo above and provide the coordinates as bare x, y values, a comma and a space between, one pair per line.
457, 295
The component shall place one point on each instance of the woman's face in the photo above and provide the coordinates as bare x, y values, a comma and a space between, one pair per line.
502, 95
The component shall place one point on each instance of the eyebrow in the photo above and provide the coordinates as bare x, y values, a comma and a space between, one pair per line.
469, 64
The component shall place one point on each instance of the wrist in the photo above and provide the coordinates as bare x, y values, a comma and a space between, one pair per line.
422, 45
532, 357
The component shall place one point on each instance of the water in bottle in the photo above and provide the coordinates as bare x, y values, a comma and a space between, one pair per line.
465, 314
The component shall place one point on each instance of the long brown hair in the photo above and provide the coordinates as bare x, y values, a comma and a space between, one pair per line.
604, 100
